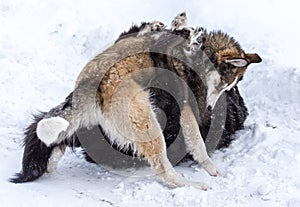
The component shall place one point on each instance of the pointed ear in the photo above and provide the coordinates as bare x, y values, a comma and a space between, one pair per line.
253, 58
183, 14
237, 62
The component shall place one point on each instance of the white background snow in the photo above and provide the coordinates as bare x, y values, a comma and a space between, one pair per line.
45, 44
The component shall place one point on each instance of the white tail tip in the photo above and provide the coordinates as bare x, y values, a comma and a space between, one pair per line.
49, 129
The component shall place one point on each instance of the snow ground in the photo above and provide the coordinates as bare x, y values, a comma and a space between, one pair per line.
45, 44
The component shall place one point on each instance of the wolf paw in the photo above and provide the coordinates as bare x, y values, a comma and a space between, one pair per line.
199, 185
197, 39
211, 168
179, 21
175, 180
157, 26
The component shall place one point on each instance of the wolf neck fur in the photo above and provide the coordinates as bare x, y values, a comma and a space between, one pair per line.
217, 41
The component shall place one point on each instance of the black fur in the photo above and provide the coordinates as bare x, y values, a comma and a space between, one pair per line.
133, 31
236, 115
36, 155
168, 106
165, 102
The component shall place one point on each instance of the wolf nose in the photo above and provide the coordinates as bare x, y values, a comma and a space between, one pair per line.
209, 108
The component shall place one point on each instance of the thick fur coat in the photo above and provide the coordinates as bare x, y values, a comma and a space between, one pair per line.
94, 103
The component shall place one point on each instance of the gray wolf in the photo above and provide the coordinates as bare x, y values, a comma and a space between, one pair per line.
111, 92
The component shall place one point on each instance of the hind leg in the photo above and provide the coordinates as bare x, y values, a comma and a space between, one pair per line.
155, 153
136, 124
55, 157
194, 142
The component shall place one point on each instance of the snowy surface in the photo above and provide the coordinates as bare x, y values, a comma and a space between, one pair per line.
45, 44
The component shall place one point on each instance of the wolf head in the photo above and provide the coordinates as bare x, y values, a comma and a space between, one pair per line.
228, 64
232, 64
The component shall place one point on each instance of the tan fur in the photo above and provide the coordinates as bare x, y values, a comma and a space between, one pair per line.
120, 70
110, 91
138, 115
151, 148
228, 54
194, 142
102, 63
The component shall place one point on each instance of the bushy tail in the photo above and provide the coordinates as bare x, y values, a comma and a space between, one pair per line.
36, 153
